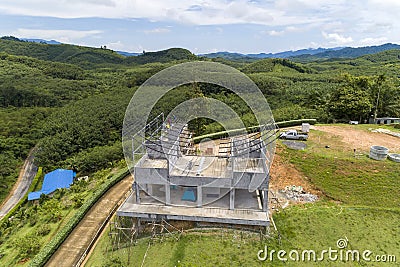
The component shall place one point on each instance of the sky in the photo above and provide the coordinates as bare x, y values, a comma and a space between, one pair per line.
202, 26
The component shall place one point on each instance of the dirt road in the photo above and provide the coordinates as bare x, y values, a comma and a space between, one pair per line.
73, 247
21, 187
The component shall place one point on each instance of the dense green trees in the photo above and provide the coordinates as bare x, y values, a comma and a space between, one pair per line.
360, 97
86, 57
95, 121
72, 99
350, 103
271, 64
96, 158
28, 82
164, 56
19, 132
80, 55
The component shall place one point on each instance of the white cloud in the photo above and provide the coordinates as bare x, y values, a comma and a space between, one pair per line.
373, 41
219, 29
275, 33
157, 30
198, 12
341, 22
337, 39
116, 46
64, 36
314, 45
216, 12
109, 3
289, 30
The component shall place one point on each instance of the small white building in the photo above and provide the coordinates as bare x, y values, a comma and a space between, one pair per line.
305, 127
387, 120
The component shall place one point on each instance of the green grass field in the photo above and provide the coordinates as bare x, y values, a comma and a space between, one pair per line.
303, 227
360, 203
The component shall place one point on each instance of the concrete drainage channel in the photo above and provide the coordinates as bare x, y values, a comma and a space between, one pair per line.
394, 157
381, 153
378, 152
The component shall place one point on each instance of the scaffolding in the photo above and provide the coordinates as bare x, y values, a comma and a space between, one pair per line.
173, 181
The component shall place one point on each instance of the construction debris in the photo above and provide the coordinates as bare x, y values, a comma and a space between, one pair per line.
297, 194
385, 131
281, 198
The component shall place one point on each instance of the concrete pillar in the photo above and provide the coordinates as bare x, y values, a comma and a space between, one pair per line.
136, 186
167, 194
265, 200
199, 196
232, 199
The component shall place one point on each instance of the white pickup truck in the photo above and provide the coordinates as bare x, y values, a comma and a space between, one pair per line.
293, 135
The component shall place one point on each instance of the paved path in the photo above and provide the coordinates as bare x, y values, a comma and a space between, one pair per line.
76, 243
21, 187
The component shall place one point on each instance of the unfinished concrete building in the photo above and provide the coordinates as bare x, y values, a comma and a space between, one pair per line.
222, 183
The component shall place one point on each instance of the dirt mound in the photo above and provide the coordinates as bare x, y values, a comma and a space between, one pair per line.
283, 174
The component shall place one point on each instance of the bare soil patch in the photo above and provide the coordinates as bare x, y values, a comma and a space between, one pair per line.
283, 174
360, 139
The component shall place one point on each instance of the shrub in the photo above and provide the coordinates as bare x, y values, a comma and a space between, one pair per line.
43, 230
47, 251
27, 246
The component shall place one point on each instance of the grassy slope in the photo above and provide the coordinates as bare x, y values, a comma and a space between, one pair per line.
366, 210
300, 227
341, 177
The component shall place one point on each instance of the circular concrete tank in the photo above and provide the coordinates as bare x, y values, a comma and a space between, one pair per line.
378, 152
394, 157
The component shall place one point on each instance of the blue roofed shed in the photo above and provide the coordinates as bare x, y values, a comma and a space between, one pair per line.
54, 180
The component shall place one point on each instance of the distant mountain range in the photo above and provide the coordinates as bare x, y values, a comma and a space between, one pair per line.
285, 54
308, 54
346, 52
128, 54
54, 42
302, 55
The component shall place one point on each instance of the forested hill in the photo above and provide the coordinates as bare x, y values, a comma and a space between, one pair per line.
168, 55
274, 64
61, 52
87, 57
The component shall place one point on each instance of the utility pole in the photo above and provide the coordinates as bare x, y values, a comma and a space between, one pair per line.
376, 106
380, 80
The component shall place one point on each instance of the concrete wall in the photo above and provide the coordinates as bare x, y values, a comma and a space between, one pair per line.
151, 175
160, 176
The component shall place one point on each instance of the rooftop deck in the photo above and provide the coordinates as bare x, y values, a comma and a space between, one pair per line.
198, 166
